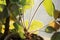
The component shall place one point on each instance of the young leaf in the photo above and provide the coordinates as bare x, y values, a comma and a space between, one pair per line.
35, 25
49, 7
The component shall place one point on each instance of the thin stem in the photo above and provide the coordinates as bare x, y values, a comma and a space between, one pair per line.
29, 17
35, 13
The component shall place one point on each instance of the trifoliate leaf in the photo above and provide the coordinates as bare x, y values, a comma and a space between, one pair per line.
49, 7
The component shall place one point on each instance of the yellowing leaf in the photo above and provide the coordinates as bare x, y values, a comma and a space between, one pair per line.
49, 7
35, 25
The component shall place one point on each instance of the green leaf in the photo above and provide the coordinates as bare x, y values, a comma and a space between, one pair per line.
4, 14
56, 36
20, 29
16, 25
1, 8
14, 1
23, 2
49, 29
35, 25
14, 9
49, 7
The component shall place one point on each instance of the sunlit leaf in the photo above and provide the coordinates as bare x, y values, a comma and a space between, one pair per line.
3, 2
11, 24
49, 7
35, 25
3, 28
1, 9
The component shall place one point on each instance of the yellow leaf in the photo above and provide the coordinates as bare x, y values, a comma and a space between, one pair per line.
35, 25
49, 7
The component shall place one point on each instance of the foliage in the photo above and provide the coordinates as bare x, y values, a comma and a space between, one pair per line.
35, 25
56, 36
49, 7
2, 4
16, 10
49, 29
